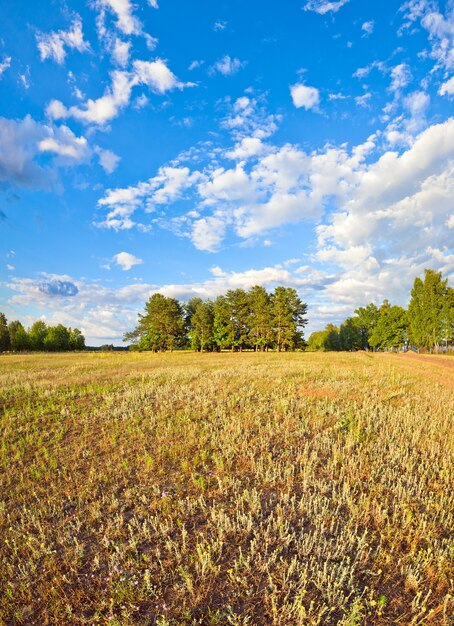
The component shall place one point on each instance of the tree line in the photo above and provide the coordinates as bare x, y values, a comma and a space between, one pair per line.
427, 323
39, 337
237, 320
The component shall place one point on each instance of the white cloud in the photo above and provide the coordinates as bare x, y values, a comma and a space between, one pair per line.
155, 74
397, 208
248, 147
324, 6
10, 267
363, 72
227, 66
447, 88
140, 102
153, 4
107, 159
18, 147
126, 21
103, 109
220, 25
363, 101
53, 45
167, 186
126, 260
417, 103
208, 232
247, 117
401, 76
195, 64
120, 51
304, 96
62, 142
368, 27
440, 29
4, 65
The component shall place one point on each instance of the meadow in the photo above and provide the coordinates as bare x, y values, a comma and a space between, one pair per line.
241, 489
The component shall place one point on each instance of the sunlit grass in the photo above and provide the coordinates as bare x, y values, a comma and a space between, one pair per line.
291, 489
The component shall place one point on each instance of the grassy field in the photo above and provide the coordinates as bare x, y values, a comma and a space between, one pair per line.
243, 489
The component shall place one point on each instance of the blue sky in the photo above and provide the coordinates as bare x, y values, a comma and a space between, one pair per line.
194, 147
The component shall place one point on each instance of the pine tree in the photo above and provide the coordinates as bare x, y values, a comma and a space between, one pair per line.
288, 318
202, 326
161, 327
5, 343
260, 319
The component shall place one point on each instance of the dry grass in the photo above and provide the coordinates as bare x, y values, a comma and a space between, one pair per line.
252, 489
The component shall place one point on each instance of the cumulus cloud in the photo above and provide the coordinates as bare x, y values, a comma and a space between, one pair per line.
64, 143
439, 27
401, 76
208, 233
368, 28
120, 51
53, 45
227, 66
126, 260
126, 22
248, 147
155, 74
4, 65
103, 109
22, 142
247, 117
167, 186
107, 159
324, 6
283, 185
304, 96
447, 88
220, 25
397, 208
62, 288
19, 141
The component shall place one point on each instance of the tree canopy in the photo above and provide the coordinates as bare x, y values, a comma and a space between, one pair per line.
39, 337
428, 322
236, 320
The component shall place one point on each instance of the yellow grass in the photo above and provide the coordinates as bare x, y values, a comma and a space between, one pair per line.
244, 489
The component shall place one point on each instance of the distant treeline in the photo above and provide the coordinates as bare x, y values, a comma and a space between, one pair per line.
237, 320
39, 337
427, 323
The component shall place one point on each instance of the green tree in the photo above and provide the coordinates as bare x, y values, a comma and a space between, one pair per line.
76, 339
161, 327
325, 340
5, 343
202, 326
350, 337
57, 338
391, 328
37, 335
238, 303
223, 324
429, 310
366, 319
260, 318
288, 318
18, 336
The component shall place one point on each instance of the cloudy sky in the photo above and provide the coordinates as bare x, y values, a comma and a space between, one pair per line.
192, 147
